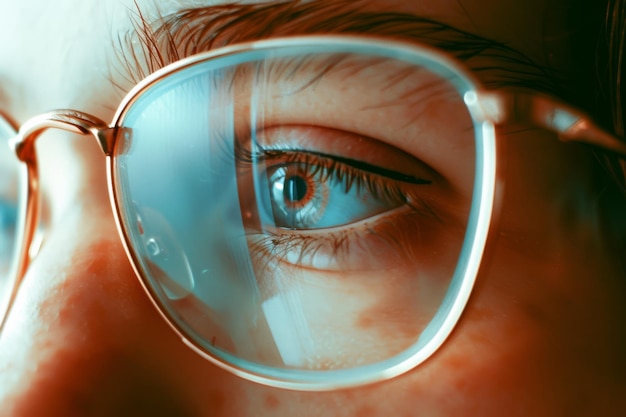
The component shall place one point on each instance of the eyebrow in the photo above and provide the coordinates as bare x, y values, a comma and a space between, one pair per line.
151, 45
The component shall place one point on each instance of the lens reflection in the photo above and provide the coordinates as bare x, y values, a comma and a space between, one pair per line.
318, 201
8, 211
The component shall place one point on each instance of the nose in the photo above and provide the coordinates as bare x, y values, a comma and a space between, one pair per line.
83, 338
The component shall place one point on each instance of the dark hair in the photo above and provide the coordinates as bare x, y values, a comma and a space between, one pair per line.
603, 33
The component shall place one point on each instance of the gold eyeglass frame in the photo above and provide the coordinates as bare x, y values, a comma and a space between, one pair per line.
490, 108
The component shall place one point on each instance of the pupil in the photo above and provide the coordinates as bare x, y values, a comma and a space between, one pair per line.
295, 188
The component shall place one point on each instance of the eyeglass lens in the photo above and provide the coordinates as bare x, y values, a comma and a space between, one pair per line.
298, 209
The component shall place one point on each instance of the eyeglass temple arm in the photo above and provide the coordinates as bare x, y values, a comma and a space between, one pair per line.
570, 124
24, 147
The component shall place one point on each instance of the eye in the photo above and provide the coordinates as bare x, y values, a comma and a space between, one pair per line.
328, 210
315, 192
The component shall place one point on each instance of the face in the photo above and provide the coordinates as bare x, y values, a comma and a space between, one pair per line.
542, 333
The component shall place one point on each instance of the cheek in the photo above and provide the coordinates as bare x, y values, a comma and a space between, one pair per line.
528, 341
83, 339
572, 299
542, 333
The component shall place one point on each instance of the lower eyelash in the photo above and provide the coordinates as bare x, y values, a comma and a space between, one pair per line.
396, 232
272, 249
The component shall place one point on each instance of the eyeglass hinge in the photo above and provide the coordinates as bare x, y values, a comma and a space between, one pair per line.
545, 112
106, 139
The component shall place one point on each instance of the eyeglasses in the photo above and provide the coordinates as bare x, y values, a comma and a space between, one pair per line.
307, 213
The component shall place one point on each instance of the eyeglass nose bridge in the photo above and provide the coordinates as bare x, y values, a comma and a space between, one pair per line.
68, 120
24, 147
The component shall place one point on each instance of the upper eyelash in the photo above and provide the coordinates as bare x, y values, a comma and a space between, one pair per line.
330, 166
356, 164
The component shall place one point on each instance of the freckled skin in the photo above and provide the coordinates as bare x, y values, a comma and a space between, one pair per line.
543, 333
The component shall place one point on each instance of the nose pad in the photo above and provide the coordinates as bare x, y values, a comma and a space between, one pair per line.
163, 255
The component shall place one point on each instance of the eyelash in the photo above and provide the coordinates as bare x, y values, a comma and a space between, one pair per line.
278, 245
329, 167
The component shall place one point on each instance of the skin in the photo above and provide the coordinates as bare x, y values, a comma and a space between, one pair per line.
543, 333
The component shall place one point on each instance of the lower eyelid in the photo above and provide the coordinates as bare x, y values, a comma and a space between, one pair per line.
337, 249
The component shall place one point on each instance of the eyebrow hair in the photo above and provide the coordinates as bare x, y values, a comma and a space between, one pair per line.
150, 46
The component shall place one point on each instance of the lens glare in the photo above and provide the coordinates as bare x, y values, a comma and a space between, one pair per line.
300, 211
